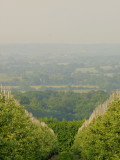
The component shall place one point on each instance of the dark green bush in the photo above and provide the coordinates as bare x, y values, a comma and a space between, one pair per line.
65, 131
66, 156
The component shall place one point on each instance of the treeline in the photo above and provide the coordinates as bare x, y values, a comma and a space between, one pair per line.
61, 105
21, 136
100, 140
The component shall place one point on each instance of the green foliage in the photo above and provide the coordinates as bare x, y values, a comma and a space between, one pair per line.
65, 131
101, 139
67, 105
20, 138
66, 156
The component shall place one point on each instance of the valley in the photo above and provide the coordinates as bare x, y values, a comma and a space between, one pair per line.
52, 102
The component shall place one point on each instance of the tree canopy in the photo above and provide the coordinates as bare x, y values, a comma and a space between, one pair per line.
20, 137
61, 105
100, 140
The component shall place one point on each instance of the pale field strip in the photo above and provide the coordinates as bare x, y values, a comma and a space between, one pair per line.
64, 86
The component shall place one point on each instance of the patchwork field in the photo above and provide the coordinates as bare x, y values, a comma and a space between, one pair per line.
74, 88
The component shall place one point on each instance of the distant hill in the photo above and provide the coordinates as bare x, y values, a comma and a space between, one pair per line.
59, 50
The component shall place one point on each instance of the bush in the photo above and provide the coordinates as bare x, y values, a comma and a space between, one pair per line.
65, 131
20, 138
100, 140
66, 156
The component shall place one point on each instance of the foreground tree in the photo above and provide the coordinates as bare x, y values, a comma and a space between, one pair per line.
22, 136
100, 140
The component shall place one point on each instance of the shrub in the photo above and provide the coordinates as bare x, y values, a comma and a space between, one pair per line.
20, 138
100, 140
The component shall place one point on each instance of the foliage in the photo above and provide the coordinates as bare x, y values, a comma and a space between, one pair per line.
66, 156
20, 138
67, 105
100, 140
65, 131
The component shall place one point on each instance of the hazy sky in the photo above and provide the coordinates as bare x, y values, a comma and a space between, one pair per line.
60, 21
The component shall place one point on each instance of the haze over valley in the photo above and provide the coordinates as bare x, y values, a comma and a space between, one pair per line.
60, 66
59, 80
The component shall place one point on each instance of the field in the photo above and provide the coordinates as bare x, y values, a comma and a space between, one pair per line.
74, 88
85, 70
64, 86
60, 67
5, 78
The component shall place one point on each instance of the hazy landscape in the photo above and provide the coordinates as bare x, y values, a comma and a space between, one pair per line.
61, 85
59, 80
62, 67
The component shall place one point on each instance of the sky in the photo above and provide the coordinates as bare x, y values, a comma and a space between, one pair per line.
60, 21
